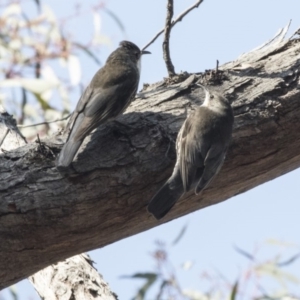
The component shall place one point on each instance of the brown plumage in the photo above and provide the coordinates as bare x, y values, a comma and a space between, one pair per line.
109, 93
201, 147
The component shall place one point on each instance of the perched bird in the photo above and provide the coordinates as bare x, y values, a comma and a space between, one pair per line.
201, 147
109, 93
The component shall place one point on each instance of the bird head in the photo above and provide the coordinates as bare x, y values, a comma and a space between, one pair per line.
133, 50
213, 98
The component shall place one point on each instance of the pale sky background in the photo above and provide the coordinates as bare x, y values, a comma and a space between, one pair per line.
216, 30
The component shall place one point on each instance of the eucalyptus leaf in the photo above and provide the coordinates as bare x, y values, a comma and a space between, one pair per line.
34, 85
244, 253
88, 52
13, 292
74, 68
180, 235
116, 19
272, 270
150, 279
234, 291
12, 9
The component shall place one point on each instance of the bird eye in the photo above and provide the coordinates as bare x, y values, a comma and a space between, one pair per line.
211, 96
137, 55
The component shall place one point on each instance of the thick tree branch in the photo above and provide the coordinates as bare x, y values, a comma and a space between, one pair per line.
46, 217
75, 278
60, 280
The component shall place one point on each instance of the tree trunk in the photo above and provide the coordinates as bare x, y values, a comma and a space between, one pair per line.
46, 217
75, 278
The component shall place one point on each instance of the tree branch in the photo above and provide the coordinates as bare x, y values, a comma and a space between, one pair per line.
166, 42
10, 136
46, 217
45, 123
174, 22
61, 281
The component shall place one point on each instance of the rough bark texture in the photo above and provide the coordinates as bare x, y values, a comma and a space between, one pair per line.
75, 278
10, 136
46, 217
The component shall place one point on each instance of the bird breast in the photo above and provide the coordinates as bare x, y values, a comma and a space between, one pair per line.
139, 65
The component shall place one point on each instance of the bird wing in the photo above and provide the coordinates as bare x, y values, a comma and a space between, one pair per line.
79, 108
212, 165
98, 105
189, 152
201, 150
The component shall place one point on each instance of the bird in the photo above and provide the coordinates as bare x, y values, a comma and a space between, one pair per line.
109, 93
201, 146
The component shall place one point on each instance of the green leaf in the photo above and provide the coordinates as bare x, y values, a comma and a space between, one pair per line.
42, 101
234, 291
38, 4
141, 275
187, 265
244, 253
196, 295
180, 235
40, 88
275, 272
150, 279
115, 18
12, 9
88, 52
34, 85
274, 242
289, 261
13, 291
74, 69
161, 289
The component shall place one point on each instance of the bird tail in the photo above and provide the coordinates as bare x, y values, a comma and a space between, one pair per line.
67, 153
165, 198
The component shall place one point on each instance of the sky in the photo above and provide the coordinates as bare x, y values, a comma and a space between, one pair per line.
220, 30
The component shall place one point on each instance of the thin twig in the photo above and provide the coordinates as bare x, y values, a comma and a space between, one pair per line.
5, 135
178, 19
217, 67
38, 140
24, 102
166, 42
44, 123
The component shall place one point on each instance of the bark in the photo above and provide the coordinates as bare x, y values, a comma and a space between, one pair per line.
10, 136
74, 278
46, 217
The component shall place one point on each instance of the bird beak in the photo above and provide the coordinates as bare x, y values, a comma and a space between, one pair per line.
145, 52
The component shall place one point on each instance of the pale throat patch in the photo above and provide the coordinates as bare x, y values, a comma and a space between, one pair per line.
206, 100
216, 106
139, 65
